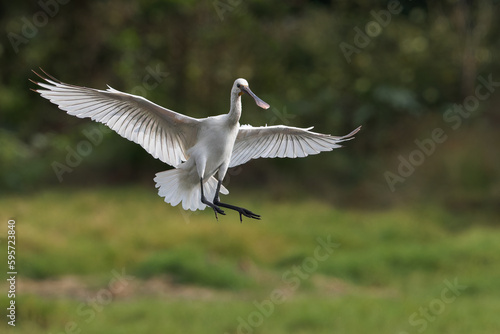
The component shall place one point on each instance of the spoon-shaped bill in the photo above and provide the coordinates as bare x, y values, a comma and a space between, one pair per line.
257, 99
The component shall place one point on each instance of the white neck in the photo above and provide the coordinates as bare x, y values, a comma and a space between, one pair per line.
235, 111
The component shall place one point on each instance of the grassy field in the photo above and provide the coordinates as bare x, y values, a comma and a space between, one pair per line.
120, 260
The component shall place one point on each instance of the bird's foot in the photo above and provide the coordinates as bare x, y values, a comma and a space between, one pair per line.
214, 207
241, 211
218, 210
247, 213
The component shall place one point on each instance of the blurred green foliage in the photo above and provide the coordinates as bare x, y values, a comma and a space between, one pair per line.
415, 66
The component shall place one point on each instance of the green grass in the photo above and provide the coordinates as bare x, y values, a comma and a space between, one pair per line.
191, 274
189, 265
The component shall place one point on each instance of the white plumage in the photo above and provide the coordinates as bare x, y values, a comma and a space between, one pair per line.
201, 150
281, 141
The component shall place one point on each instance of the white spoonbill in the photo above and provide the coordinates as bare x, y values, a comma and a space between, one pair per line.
201, 150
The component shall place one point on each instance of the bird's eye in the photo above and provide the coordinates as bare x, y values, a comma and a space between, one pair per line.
238, 85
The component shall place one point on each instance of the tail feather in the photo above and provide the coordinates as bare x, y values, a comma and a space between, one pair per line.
176, 187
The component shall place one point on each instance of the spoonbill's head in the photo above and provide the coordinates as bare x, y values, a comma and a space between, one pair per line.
240, 86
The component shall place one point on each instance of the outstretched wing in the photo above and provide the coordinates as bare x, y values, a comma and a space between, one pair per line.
163, 133
281, 142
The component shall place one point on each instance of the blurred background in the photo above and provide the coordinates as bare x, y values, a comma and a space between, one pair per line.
412, 203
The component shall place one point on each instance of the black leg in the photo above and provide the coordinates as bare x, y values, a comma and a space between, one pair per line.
241, 211
214, 207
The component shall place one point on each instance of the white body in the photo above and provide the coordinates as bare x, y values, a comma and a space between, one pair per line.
209, 157
212, 151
